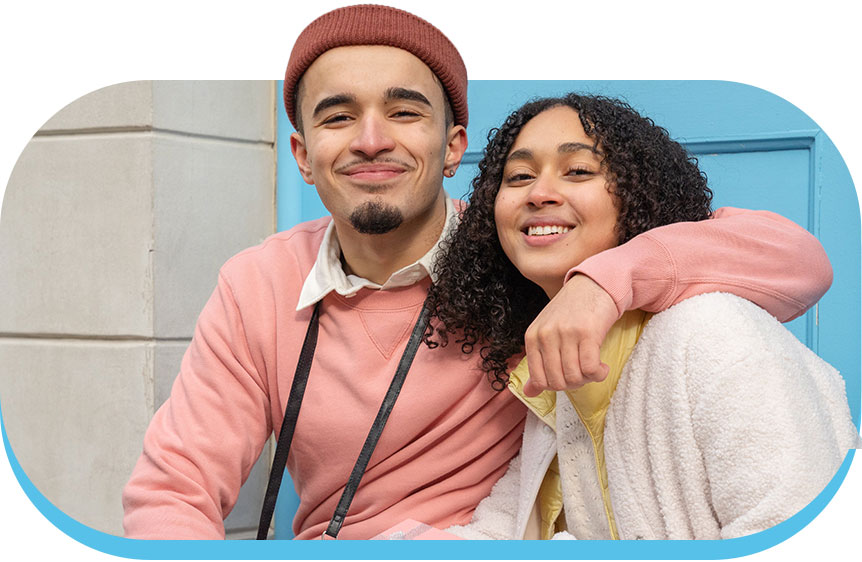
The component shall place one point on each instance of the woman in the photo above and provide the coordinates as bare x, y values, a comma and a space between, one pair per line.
713, 422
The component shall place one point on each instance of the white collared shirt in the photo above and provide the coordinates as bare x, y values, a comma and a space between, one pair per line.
328, 275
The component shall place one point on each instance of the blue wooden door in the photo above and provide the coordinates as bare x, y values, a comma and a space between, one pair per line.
759, 152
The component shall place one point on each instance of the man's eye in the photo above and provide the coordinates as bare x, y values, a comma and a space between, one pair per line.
405, 113
338, 118
579, 172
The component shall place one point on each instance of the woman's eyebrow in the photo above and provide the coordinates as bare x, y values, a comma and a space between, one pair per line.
520, 154
568, 147
398, 93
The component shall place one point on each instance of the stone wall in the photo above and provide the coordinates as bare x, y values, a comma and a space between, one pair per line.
115, 221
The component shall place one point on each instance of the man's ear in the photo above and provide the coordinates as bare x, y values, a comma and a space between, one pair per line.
300, 154
456, 145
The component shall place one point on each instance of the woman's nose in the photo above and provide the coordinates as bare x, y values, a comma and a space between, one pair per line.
543, 192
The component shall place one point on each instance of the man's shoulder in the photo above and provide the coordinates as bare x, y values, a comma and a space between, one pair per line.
294, 248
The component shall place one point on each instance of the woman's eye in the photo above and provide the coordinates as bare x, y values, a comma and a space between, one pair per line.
518, 177
579, 172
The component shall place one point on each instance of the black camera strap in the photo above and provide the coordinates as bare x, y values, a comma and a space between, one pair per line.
291, 414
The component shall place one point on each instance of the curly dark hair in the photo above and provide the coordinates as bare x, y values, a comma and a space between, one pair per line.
480, 297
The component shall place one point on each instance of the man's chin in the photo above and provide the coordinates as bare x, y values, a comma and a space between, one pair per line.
376, 217
375, 228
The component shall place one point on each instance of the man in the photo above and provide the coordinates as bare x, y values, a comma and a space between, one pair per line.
378, 97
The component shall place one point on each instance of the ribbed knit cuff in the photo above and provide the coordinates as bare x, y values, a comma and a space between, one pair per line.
637, 275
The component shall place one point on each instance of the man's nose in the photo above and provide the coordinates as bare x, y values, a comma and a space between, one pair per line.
373, 137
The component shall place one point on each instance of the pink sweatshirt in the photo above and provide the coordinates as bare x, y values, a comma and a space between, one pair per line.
450, 437
757, 255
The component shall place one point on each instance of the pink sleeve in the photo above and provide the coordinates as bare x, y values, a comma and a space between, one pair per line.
757, 255
201, 444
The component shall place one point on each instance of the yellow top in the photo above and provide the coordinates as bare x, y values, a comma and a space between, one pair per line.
591, 403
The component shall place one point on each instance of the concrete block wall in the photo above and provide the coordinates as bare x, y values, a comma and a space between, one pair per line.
115, 221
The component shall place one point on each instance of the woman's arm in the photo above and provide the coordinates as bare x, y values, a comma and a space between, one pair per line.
495, 515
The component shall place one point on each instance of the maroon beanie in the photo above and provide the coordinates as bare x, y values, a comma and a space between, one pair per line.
370, 24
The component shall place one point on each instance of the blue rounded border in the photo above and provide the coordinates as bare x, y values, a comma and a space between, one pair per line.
430, 550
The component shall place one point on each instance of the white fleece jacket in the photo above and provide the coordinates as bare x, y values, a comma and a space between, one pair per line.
723, 424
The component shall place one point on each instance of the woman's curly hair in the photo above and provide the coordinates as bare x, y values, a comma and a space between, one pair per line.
480, 297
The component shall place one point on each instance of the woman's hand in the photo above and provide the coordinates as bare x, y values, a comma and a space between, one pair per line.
563, 341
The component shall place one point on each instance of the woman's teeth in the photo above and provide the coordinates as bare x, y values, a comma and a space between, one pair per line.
546, 230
